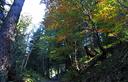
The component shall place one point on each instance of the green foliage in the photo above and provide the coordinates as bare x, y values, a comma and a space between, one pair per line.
70, 26
74, 24
71, 76
23, 23
39, 53
32, 76
19, 44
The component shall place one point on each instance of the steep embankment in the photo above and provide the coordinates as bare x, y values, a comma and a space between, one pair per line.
112, 69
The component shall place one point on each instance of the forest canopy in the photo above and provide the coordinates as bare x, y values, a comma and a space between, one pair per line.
76, 41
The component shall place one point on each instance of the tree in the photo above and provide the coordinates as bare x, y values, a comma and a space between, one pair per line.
2, 3
20, 43
84, 29
7, 37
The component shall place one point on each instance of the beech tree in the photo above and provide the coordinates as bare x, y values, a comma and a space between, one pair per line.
7, 36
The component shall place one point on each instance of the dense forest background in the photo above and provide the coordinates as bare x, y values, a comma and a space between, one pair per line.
76, 41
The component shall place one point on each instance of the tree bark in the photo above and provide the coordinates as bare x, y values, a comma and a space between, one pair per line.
7, 32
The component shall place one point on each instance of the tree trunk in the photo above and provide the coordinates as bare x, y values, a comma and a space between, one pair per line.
7, 32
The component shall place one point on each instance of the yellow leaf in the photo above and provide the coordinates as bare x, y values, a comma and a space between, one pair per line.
60, 38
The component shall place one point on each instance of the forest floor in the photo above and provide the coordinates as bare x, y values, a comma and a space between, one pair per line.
50, 81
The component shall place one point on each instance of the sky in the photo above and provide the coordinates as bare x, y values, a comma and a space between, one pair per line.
34, 9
